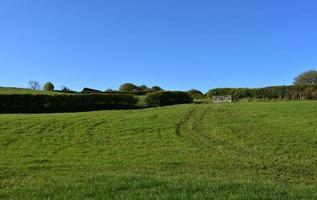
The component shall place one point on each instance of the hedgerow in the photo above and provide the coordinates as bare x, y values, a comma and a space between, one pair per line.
275, 92
27, 103
164, 98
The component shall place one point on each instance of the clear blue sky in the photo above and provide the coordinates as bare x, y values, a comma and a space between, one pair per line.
176, 44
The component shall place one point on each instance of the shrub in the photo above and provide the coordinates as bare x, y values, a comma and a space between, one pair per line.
164, 98
27, 103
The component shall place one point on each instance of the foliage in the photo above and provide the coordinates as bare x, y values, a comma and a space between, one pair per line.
196, 94
48, 86
206, 151
308, 78
164, 98
128, 87
156, 88
27, 103
143, 88
276, 92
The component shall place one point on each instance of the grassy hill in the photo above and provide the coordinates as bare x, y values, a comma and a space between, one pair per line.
14, 90
225, 151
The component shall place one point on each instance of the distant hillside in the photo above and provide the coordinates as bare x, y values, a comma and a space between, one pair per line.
14, 90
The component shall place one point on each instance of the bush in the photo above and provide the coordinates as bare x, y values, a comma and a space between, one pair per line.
27, 103
164, 98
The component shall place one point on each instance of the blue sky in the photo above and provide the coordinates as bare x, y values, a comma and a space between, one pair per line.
176, 44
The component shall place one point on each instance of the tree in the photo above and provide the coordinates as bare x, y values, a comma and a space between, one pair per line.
308, 92
128, 87
48, 86
143, 88
35, 85
65, 89
156, 88
308, 78
196, 94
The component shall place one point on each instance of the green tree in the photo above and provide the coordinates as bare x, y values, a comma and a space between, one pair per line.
196, 94
128, 87
156, 88
48, 86
308, 78
143, 88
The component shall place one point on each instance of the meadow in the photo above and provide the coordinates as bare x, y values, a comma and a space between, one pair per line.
14, 90
257, 150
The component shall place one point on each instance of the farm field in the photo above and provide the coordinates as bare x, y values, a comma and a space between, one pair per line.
259, 150
13, 90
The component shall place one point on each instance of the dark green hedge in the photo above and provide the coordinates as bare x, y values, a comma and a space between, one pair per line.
139, 93
164, 98
275, 92
27, 103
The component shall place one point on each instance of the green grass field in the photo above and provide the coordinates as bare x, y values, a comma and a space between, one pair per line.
13, 90
205, 151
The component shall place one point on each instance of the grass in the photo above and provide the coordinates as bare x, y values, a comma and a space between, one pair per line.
203, 151
13, 90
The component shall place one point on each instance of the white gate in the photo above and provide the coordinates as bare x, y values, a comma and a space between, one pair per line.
222, 99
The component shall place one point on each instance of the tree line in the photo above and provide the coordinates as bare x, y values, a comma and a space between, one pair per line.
126, 87
304, 87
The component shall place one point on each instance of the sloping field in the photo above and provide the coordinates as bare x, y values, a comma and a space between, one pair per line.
13, 90
226, 151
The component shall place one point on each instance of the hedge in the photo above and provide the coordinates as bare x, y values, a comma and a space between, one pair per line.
275, 92
27, 103
164, 98
139, 93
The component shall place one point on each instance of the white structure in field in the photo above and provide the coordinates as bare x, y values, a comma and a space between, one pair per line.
222, 99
